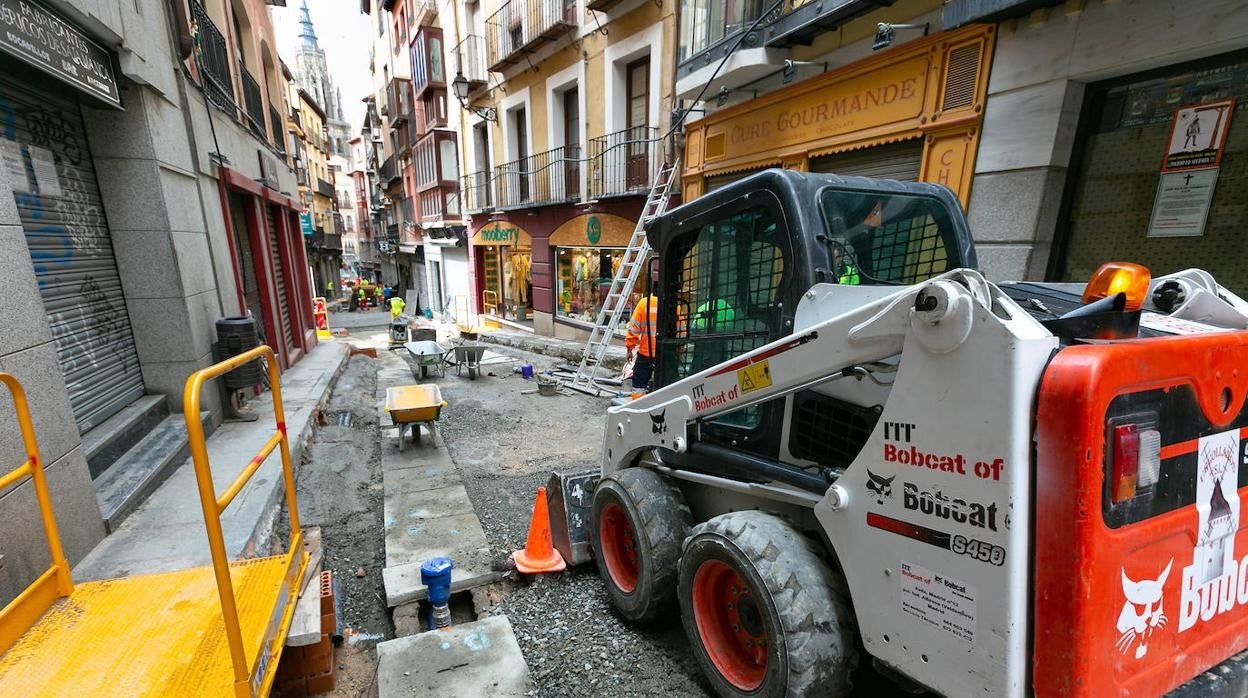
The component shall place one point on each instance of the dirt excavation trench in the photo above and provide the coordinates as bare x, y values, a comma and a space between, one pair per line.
340, 490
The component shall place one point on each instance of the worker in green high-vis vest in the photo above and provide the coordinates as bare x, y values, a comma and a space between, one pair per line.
714, 316
846, 272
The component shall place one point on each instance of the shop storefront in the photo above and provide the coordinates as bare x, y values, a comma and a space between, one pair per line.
588, 251
504, 259
549, 274
913, 112
1159, 174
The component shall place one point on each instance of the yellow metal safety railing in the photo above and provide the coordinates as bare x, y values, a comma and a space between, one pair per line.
55, 582
213, 505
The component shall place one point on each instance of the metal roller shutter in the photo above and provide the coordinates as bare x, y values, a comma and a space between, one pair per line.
242, 243
899, 161
42, 132
283, 305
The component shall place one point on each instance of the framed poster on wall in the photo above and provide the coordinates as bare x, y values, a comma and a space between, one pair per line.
1198, 135
1182, 203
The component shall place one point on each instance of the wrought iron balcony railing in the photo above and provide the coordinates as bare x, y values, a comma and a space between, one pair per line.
623, 162
522, 25
213, 58
543, 178
253, 105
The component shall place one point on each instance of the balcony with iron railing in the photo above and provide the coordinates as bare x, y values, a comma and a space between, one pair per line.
523, 25
387, 172
623, 162
800, 21
324, 188
471, 56
477, 191
213, 58
253, 104
543, 178
278, 126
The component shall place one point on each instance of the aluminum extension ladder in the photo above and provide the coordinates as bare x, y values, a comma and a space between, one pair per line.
614, 305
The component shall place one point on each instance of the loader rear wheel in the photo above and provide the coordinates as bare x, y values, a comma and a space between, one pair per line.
638, 523
765, 614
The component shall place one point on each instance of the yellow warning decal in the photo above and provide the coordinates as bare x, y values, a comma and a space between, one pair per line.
754, 377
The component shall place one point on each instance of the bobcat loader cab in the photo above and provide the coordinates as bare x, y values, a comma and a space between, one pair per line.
984, 489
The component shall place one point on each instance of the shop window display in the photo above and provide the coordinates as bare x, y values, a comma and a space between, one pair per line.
585, 275
508, 278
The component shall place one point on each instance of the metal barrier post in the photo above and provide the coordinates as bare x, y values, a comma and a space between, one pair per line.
56, 582
213, 505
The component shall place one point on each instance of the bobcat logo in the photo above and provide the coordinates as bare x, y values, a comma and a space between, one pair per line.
881, 487
1139, 626
659, 420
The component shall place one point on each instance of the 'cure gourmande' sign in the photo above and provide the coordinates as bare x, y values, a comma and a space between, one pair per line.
45, 41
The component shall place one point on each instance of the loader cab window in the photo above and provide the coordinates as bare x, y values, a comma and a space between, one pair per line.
884, 238
725, 285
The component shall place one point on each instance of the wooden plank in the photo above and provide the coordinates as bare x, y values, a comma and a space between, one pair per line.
305, 627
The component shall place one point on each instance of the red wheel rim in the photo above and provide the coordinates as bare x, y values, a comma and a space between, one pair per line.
619, 547
730, 625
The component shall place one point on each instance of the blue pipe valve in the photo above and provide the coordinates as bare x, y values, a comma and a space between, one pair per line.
435, 574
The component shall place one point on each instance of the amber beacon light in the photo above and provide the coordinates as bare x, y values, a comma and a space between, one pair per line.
1119, 277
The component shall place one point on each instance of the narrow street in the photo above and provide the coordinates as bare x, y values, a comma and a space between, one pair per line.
505, 440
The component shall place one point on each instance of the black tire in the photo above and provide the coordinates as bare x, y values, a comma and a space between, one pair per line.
472, 372
424, 371
788, 597
637, 524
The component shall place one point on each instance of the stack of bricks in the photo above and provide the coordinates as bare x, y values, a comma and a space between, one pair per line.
309, 670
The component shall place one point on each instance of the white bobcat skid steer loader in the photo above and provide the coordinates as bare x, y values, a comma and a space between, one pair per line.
859, 449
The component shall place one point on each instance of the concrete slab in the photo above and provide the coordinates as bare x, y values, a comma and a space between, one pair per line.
481, 658
167, 531
425, 504
403, 584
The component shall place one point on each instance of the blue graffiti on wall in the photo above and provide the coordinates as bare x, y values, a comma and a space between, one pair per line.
62, 249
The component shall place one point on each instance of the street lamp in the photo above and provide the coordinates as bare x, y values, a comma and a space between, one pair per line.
460, 87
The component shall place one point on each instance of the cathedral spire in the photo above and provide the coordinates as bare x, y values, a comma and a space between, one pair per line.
306, 32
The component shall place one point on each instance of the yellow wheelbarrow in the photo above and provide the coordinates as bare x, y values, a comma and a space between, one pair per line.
413, 405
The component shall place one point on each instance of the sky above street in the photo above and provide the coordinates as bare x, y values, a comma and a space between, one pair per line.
342, 32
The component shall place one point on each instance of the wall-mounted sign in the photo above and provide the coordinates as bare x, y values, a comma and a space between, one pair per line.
305, 223
1182, 203
1198, 135
502, 233
38, 37
593, 229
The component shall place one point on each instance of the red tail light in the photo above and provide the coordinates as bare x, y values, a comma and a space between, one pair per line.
1136, 460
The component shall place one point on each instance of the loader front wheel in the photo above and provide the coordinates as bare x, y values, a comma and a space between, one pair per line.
638, 523
765, 614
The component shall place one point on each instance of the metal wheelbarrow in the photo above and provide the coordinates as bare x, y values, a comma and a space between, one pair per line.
468, 356
427, 354
413, 405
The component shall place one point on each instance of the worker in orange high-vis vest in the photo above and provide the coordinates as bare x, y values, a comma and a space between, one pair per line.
640, 340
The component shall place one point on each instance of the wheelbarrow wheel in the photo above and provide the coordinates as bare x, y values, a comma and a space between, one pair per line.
472, 372
424, 371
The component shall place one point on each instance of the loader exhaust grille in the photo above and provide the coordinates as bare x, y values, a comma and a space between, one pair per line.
829, 431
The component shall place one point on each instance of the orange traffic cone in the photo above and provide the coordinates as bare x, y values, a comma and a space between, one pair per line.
539, 555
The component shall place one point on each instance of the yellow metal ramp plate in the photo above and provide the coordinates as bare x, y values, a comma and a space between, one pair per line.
156, 634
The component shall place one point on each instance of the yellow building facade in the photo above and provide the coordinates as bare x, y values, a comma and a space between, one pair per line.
564, 126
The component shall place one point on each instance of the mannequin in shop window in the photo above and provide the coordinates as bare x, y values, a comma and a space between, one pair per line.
520, 264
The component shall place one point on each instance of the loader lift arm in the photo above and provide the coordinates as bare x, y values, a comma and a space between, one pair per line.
937, 313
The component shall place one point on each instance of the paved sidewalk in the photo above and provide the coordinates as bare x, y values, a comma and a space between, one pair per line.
427, 512
167, 531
